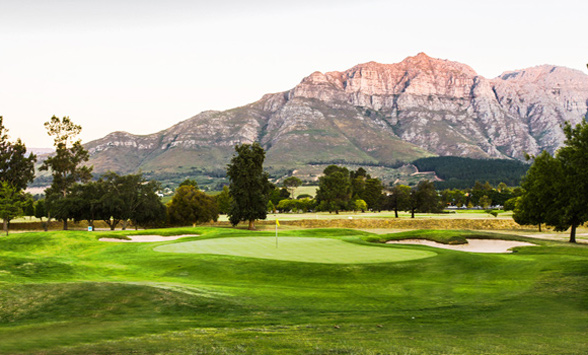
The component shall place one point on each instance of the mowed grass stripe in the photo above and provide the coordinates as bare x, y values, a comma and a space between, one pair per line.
310, 250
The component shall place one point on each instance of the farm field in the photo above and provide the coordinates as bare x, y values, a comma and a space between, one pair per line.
323, 291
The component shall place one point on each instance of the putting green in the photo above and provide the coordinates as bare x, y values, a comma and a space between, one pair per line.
310, 250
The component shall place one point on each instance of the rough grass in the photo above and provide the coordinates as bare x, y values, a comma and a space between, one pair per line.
68, 293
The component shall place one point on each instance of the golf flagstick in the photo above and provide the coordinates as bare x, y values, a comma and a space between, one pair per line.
277, 225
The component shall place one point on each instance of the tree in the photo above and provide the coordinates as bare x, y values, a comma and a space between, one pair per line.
541, 186
424, 198
291, 183
10, 203
66, 165
16, 171
372, 194
16, 167
189, 182
399, 199
249, 185
223, 200
29, 206
570, 209
191, 206
360, 205
125, 198
41, 212
334, 190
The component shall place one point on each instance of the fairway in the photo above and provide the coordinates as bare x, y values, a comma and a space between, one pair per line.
310, 250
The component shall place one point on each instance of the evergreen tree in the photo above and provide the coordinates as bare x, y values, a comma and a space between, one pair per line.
249, 185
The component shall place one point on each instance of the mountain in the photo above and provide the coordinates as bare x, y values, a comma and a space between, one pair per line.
372, 114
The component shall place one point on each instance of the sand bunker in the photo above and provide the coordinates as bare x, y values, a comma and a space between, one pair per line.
147, 238
473, 245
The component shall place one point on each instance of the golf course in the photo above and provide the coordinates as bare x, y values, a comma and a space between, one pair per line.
309, 291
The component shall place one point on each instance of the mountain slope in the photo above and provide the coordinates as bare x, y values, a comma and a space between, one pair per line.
373, 114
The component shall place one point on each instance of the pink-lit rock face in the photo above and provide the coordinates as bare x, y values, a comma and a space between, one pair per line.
376, 113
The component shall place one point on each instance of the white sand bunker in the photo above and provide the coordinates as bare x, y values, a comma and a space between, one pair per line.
147, 238
473, 245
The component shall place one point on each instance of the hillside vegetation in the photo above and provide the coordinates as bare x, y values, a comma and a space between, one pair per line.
461, 173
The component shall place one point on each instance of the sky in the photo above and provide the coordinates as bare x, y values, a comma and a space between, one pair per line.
142, 66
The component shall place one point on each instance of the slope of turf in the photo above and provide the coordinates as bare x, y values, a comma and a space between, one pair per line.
310, 250
67, 293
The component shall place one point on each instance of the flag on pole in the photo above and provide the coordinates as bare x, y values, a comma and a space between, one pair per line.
277, 223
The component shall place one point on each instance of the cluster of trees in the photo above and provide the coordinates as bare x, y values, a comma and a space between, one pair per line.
482, 195
555, 189
341, 190
112, 198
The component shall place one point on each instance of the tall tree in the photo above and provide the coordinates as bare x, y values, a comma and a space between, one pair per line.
570, 210
372, 194
249, 185
66, 164
541, 189
16, 171
334, 191
556, 188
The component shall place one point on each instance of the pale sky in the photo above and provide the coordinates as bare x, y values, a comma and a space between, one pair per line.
143, 65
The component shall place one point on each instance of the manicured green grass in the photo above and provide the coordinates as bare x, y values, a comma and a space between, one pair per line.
68, 293
309, 250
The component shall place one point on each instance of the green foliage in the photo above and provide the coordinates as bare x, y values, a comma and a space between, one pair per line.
224, 200
15, 167
485, 202
189, 182
556, 188
399, 199
360, 205
10, 203
334, 190
276, 195
541, 188
191, 206
28, 207
66, 165
40, 210
291, 183
510, 204
301, 205
424, 198
249, 186
462, 173
372, 194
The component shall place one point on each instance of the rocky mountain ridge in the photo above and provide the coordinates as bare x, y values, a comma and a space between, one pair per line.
372, 114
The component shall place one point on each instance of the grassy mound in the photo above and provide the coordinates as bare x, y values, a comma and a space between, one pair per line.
67, 293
